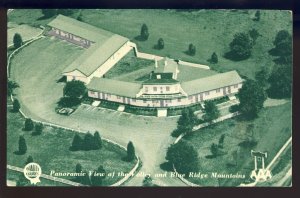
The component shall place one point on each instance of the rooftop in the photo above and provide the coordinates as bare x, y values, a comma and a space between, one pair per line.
115, 87
80, 29
211, 82
166, 65
96, 55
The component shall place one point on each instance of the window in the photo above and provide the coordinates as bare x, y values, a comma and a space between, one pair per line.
179, 99
118, 97
218, 90
144, 101
154, 88
190, 97
167, 88
133, 100
236, 86
207, 93
146, 89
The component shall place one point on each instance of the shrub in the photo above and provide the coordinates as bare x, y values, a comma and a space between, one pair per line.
17, 40
28, 126
144, 32
76, 143
22, 146
214, 58
97, 140
130, 151
160, 43
38, 129
16, 105
192, 49
29, 159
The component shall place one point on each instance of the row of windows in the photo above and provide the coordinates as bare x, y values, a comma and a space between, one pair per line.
155, 88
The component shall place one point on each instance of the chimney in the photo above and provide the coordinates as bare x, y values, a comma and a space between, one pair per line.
166, 62
155, 63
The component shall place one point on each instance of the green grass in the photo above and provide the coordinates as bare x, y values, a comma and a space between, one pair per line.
209, 30
272, 129
26, 32
129, 63
51, 151
283, 161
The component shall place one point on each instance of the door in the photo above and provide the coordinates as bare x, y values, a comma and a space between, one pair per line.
224, 91
161, 103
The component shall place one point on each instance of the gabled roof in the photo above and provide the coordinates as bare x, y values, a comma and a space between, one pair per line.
80, 29
115, 87
166, 65
96, 55
211, 82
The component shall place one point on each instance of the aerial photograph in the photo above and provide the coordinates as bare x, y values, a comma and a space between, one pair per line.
149, 97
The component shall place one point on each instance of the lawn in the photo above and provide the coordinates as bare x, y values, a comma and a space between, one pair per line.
272, 130
26, 32
129, 63
51, 151
209, 30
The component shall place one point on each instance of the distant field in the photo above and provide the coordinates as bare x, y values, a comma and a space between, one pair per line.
272, 129
51, 151
209, 30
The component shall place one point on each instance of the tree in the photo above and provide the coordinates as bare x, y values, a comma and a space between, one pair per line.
252, 97
214, 58
28, 125
85, 179
257, 16
38, 129
66, 12
22, 145
16, 105
214, 149
76, 143
78, 169
253, 33
11, 85
192, 49
186, 122
262, 76
17, 40
98, 176
160, 43
147, 181
283, 47
74, 89
49, 12
280, 82
79, 17
29, 159
144, 32
183, 156
221, 141
88, 142
97, 140
240, 47
130, 151
211, 111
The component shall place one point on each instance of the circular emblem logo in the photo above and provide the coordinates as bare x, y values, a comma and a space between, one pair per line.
32, 172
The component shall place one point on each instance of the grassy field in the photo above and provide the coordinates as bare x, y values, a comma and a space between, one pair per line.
26, 32
272, 129
209, 30
51, 151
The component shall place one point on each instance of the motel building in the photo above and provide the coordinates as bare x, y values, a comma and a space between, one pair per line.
161, 90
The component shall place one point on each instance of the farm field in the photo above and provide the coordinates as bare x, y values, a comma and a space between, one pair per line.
51, 151
272, 129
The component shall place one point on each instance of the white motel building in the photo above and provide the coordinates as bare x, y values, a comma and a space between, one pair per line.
163, 89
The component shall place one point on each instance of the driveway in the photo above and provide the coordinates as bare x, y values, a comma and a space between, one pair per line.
39, 92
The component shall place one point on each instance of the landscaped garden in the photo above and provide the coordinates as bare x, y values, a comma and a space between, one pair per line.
51, 150
271, 130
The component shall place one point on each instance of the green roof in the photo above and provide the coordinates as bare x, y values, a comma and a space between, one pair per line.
96, 55
160, 81
80, 29
211, 82
115, 87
